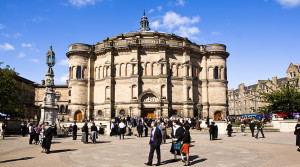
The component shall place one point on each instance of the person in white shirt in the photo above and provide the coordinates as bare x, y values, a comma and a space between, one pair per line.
122, 127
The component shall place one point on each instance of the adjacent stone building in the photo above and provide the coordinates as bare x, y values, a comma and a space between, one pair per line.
146, 74
245, 100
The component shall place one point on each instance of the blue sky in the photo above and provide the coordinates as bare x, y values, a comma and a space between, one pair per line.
262, 36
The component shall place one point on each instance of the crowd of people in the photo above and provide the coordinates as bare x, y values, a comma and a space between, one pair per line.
40, 134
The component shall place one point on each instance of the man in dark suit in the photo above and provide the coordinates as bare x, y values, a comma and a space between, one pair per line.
74, 131
140, 130
155, 142
229, 129
212, 131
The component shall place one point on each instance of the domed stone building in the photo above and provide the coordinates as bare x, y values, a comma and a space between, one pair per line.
147, 73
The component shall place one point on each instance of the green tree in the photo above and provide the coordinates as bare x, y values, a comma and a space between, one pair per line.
11, 92
285, 99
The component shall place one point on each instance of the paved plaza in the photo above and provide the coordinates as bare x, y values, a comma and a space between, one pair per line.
277, 149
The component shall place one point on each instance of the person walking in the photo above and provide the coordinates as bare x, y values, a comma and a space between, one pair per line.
252, 127
101, 129
297, 133
37, 134
177, 136
243, 127
212, 131
186, 144
122, 127
23, 129
140, 130
31, 133
155, 142
42, 138
47, 137
259, 128
74, 131
229, 129
163, 132
85, 134
93, 133
129, 128
146, 129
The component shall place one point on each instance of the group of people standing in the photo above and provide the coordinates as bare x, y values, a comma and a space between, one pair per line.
259, 125
41, 134
181, 140
85, 132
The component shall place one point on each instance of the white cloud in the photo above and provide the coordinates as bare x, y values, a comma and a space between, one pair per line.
159, 8
180, 3
26, 45
2, 26
21, 54
81, 3
17, 35
187, 31
289, 3
215, 33
181, 25
64, 62
6, 47
34, 60
151, 11
63, 78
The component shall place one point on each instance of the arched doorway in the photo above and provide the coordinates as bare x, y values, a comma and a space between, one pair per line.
149, 104
217, 115
78, 116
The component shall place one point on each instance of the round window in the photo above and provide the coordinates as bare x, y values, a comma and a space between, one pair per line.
99, 112
122, 112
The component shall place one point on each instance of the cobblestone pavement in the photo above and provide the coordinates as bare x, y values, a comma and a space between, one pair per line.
278, 149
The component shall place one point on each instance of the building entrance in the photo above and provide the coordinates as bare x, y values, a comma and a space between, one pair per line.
148, 112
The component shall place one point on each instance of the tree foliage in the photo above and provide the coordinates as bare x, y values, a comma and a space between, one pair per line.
285, 99
11, 92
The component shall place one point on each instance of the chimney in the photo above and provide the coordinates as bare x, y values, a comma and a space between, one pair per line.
43, 82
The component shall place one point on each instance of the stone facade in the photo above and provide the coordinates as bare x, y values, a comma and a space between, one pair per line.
245, 100
147, 73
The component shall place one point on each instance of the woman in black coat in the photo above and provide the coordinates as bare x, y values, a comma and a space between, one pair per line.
297, 133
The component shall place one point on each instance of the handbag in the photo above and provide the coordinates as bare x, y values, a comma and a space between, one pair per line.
177, 146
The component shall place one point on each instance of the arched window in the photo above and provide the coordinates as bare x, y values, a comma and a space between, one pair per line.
62, 109
70, 73
107, 93
78, 72
216, 73
69, 92
74, 47
189, 93
134, 92
179, 70
163, 91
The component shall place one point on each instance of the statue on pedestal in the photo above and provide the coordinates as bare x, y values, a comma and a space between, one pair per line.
49, 109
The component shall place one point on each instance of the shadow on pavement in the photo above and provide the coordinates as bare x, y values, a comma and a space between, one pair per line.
12, 160
194, 157
198, 161
103, 141
64, 150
